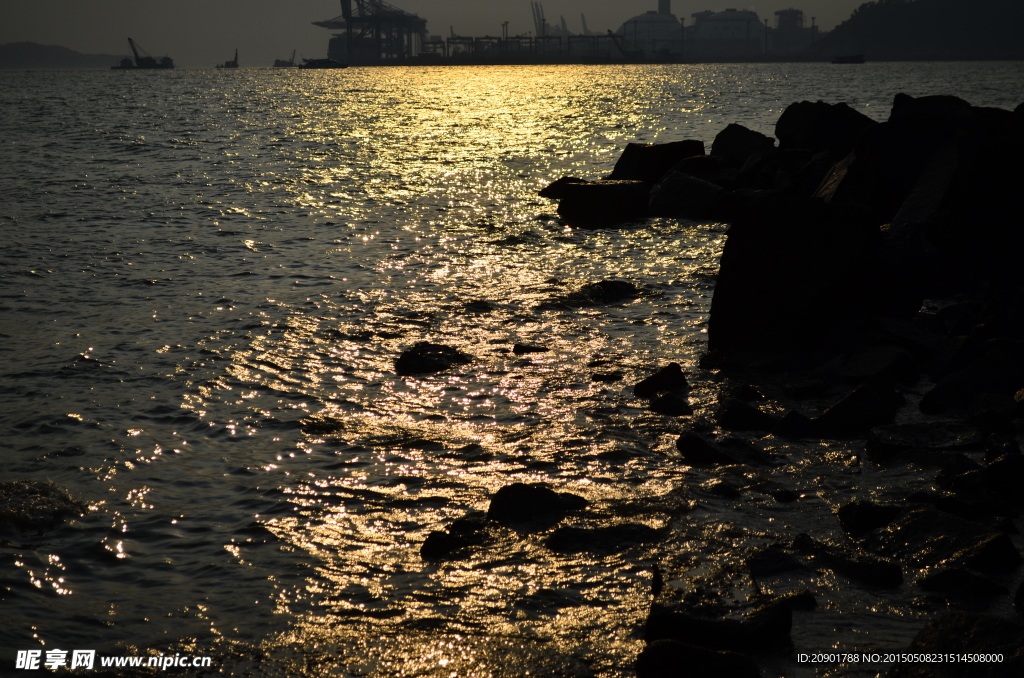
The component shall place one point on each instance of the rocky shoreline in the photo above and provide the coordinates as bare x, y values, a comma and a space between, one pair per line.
866, 264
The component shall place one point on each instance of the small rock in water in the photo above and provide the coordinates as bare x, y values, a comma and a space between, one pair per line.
668, 378
698, 452
524, 349
603, 292
32, 505
611, 539
671, 405
521, 504
603, 203
425, 357
607, 377
860, 517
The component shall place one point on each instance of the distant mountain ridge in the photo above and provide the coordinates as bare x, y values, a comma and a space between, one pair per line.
888, 30
31, 55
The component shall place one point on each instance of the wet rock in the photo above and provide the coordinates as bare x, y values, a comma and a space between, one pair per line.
819, 126
766, 629
603, 292
663, 659
864, 408
650, 162
681, 196
998, 445
31, 505
958, 581
556, 189
926, 537
668, 379
522, 504
795, 424
736, 415
721, 488
607, 377
884, 442
671, 405
425, 358
611, 539
993, 413
525, 349
864, 569
995, 373
860, 517
696, 451
960, 633
744, 392
771, 560
461, 535
604, 203
736, 144
874, 363
802, 600
479, 306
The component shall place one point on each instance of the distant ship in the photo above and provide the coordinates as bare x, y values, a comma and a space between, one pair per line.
230, 64
145, 61
281, 63
850, 59
322, 63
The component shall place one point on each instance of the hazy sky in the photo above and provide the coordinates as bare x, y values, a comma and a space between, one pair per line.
203, 32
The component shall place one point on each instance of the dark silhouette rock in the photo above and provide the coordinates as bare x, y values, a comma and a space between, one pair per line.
696, 451
666, 380
765, 629
867, 570
1005, 475
993, 413
790, 269
425, 357
681, 196
795, 424
722, 488
862, 409
736, 144
461, 535
520, 504
874, 362
525, 349
663, 659
650, 162
32, 505
611, 539
997, 445
603, 292
802, 600
819, 126
961, 633
771, 560
555, 190
736, 415
603, 203
995, 372
671, 405
607, 377
925, 537
860, 517
714, 170
958, 581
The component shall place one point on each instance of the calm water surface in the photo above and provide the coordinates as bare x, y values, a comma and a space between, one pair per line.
197, 262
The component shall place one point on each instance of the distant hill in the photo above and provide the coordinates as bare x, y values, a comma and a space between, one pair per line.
31, 55
928, 30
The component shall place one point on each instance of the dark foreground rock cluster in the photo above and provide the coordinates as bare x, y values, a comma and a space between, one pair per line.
871, 291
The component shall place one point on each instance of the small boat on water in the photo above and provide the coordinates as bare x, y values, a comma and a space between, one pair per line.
281, 63
849, 59
230, 64
322, 63
143, 61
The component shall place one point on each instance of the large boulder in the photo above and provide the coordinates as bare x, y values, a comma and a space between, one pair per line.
603, 203
736, 144
965, 634
789, 269
819, 126
650, 162
681, 196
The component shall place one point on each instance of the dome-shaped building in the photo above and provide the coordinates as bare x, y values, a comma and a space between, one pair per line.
653, 34
729, 34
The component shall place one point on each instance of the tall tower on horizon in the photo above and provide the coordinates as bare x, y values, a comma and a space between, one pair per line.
664, 6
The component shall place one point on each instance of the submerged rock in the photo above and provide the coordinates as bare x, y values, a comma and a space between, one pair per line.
522, 504
958, 581
611, 539
664, 659
671, 405
31, 505
461, 535
860, 517
765, 629
603, 292
425, 358
668, 379
698, 452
